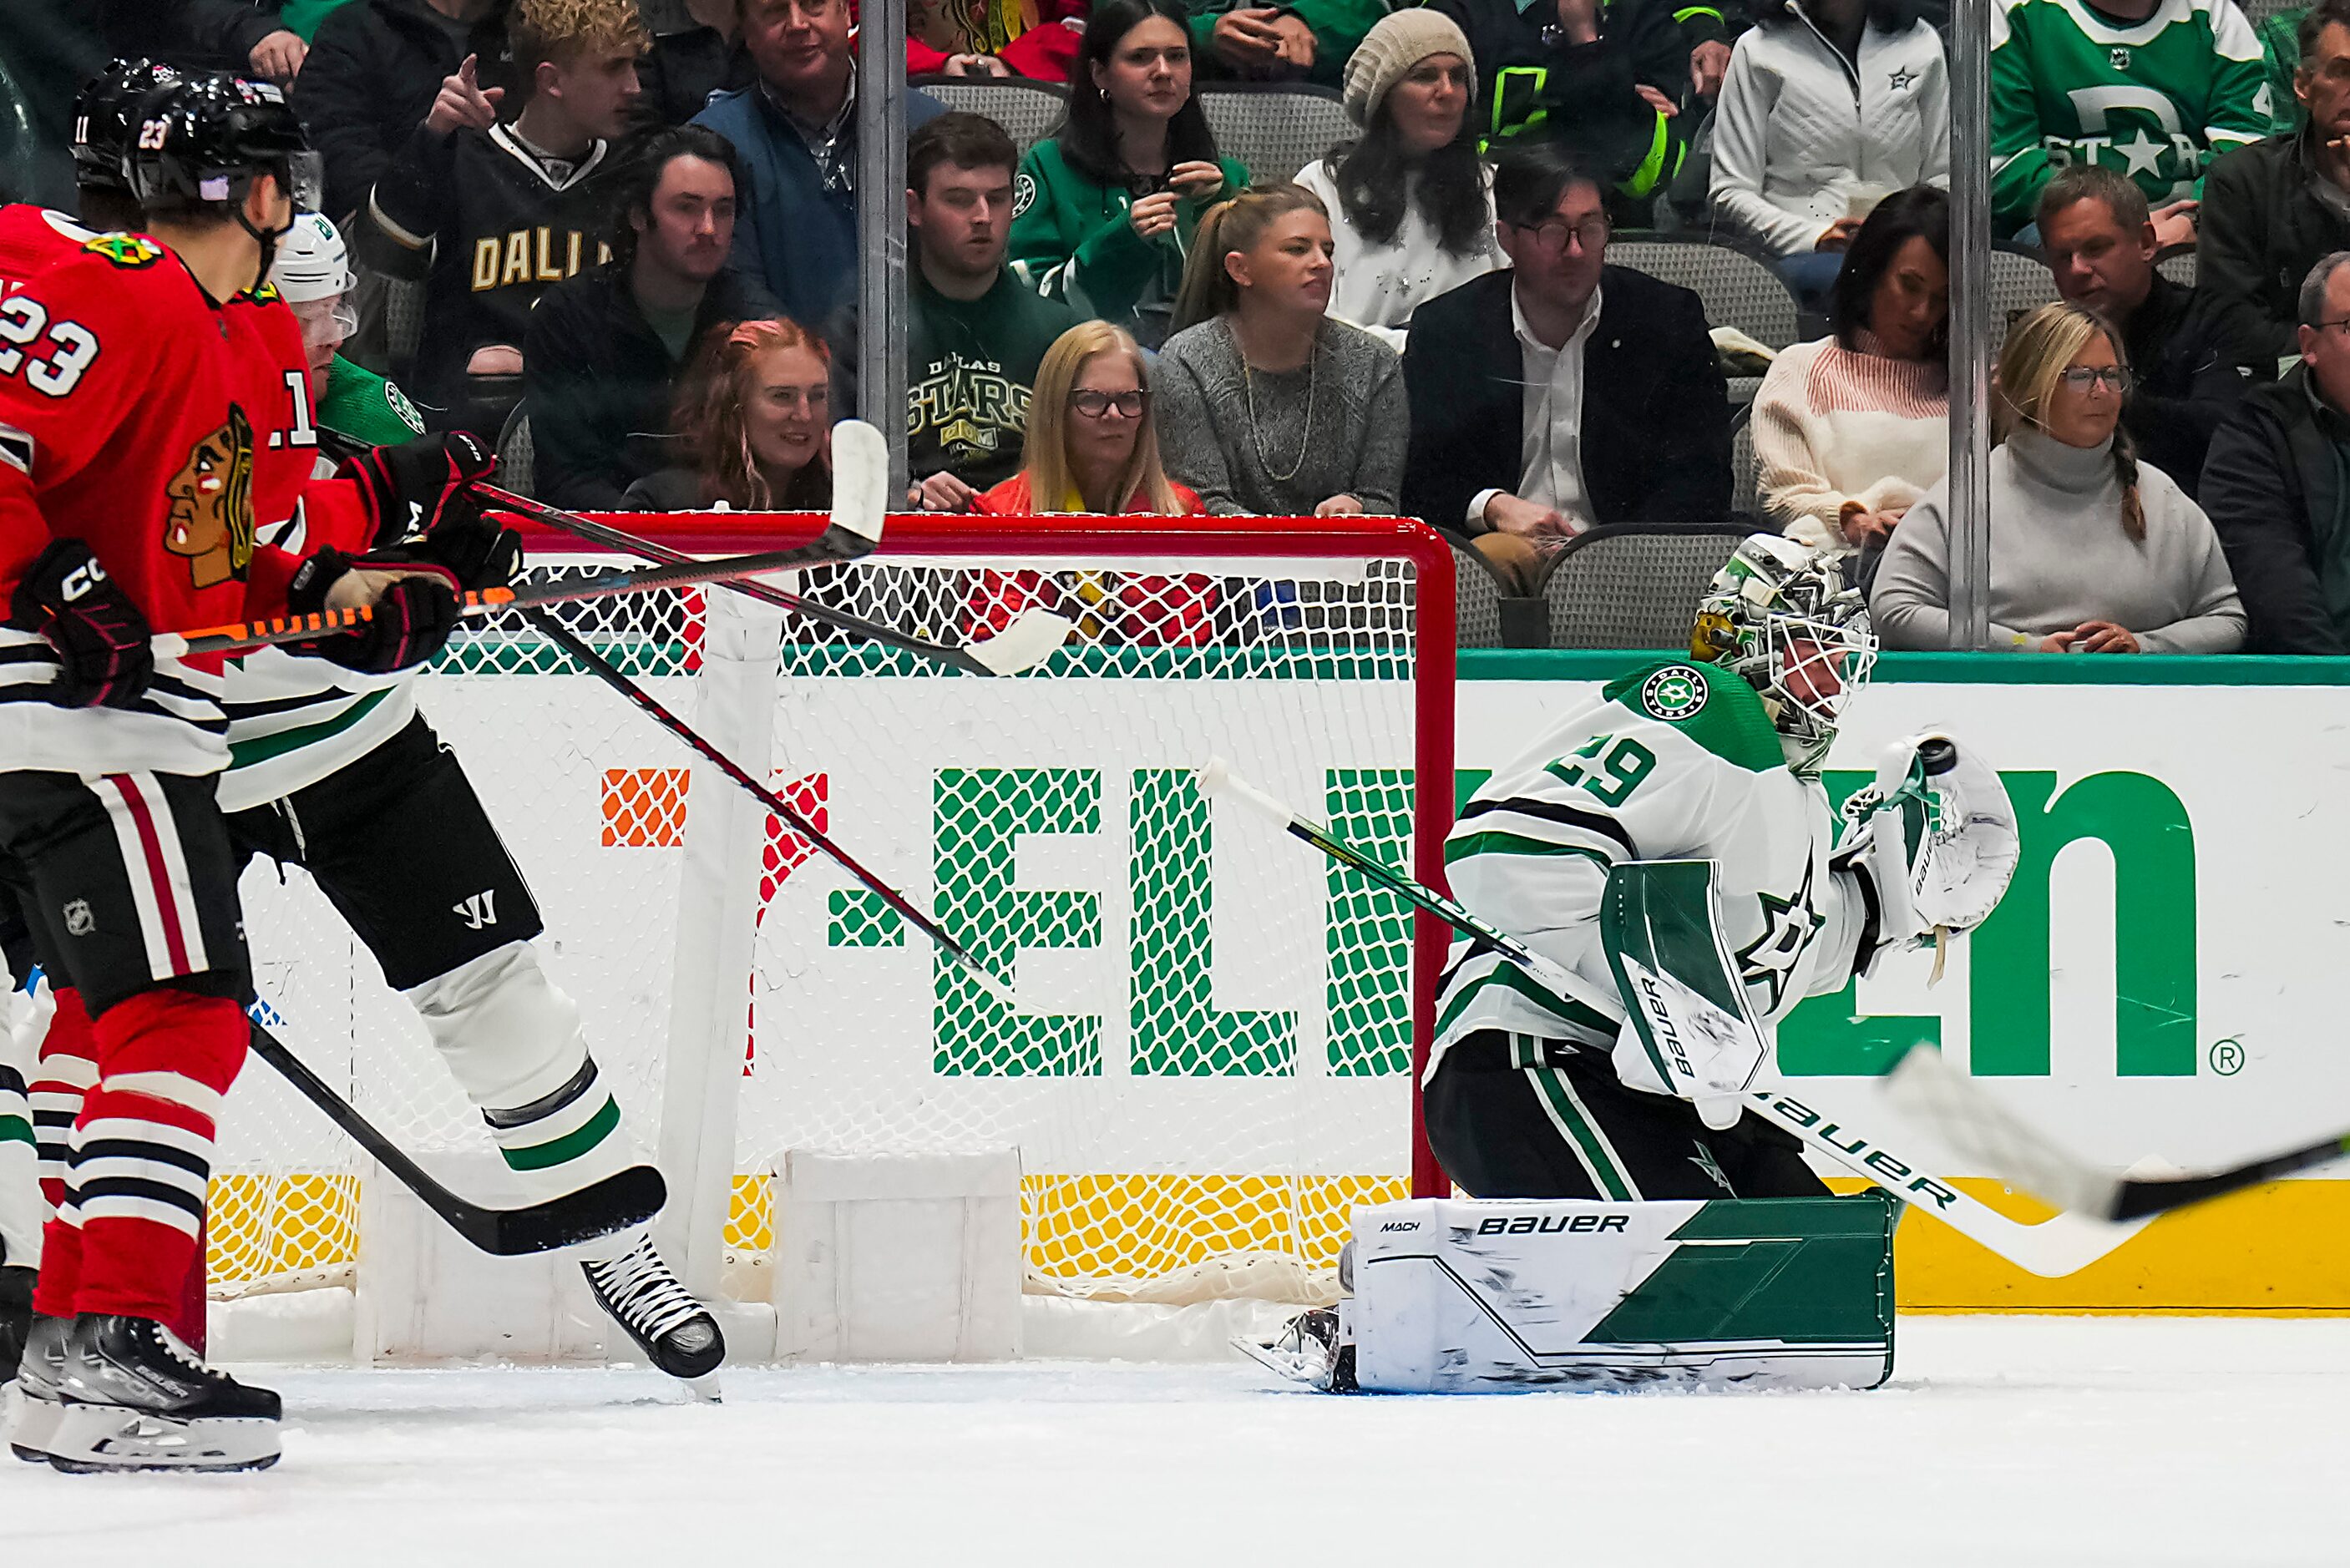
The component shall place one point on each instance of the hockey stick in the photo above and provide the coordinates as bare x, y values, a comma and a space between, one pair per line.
1032, 636
2059, 1245
853, 530
603, 669
1925, 1088
630, 1197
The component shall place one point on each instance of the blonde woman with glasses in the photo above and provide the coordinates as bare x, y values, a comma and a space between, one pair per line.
2091, 550
1091, 447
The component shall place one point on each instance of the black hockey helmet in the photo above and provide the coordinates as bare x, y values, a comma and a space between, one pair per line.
202, 141
103, 115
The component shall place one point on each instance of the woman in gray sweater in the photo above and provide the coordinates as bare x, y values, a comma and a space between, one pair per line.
1264, 405
2091, 551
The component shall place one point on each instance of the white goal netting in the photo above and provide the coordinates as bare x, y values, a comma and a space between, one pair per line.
1208, 1057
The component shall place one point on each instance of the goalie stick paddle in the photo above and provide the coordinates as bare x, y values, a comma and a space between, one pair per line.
1032, 636
1928, 1090
2063, 1244
603, 669
630, 1197
853, 530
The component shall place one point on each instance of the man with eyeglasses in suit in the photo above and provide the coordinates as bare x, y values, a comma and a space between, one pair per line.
1561, 393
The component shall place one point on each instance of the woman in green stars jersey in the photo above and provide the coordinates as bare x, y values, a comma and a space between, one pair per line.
1103, 211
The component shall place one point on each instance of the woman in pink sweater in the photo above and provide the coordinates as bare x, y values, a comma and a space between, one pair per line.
1850, 430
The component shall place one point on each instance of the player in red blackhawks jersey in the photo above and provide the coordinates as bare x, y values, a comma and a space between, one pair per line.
32, 236
128, 473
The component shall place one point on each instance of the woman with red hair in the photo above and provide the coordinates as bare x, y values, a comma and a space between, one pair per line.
753, 416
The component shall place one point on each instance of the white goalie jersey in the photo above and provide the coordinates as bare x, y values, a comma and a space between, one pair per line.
1671, 761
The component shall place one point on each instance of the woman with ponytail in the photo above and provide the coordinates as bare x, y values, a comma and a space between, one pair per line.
1267, 406
2091, 550
755, 417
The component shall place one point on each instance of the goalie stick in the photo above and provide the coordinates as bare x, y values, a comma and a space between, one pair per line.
2060, 1245
1925, 1088
603, 669
854, 529
630, 1197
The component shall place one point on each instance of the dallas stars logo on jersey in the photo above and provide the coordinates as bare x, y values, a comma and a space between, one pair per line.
1673, 693
2156, 99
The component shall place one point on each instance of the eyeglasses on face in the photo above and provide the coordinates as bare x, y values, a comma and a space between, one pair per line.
1553, 233
1098, 405
2081, 377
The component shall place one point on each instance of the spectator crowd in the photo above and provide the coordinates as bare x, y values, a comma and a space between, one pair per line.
630, 228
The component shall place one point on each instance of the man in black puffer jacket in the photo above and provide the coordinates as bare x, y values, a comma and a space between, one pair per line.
373, 71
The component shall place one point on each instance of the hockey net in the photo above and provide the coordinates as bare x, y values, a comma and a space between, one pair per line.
1208, 1061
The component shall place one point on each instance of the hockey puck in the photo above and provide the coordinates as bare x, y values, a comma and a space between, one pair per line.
1937, 755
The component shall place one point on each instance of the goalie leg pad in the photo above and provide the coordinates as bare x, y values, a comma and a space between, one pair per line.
1474, 1296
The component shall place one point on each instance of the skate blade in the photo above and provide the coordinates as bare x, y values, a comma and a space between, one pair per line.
1312, 1371
92, 1439
30, 1424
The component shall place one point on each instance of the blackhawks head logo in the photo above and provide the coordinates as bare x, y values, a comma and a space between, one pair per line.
211, 521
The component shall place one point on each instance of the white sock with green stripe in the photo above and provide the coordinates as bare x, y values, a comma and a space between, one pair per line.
21, 1208
512, 1039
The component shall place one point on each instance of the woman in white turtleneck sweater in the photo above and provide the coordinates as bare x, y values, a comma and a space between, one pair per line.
2091, 551
1410, 204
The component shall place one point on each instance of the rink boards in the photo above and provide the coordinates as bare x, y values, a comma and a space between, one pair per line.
2161, 982
2156, 985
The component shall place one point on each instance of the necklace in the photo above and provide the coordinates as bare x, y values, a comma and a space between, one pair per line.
1257, 433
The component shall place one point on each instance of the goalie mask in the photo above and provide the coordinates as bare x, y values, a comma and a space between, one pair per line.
1780, 616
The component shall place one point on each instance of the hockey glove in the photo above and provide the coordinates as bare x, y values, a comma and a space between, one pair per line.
1941, 837
414, 603
100, 635
480, 553
420, 487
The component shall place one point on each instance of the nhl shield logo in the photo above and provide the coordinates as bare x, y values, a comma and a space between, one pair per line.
2120, 58
1673, 693
79, 921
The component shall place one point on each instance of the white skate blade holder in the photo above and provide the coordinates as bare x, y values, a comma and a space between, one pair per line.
93, 1436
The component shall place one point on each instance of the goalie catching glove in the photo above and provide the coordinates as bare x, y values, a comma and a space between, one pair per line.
1937, 841
412, 601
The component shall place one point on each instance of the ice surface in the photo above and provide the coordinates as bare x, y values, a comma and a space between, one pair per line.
2078, 1441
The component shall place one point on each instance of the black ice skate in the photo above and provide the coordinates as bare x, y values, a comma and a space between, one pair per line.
38, 1400
673, 1330
1308, 1350
136, 1399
